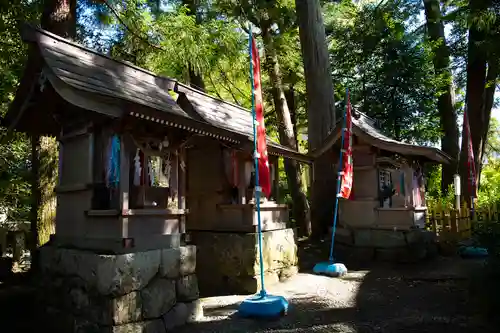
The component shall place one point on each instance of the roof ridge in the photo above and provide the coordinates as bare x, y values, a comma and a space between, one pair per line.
186, 86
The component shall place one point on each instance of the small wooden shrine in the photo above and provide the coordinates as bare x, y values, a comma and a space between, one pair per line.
147, 164
388, 186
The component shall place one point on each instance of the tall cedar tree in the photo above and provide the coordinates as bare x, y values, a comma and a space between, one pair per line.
482, 73
446, 107
320, 109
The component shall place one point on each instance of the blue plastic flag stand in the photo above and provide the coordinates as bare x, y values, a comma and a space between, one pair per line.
262, 305
330, 267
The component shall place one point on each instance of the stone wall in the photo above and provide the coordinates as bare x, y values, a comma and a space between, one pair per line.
146, 292
228, 263
386, 245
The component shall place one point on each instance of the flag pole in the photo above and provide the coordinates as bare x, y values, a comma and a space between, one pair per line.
331, 268
336, 210
256, 164
262, 305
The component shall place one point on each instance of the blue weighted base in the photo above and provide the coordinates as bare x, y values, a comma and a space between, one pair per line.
267, 306
330, 269
473, 252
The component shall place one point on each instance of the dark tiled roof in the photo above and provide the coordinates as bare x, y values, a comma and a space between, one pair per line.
84, 69
364, 126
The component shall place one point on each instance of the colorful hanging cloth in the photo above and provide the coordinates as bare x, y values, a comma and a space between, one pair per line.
151, 179
264, 176
347, 165
137, 168
113, 167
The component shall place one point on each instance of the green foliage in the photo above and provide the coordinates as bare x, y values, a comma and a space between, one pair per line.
13, 51
15, 152
170, 42
489, 191
387, 68
14, 178
492, 149
433, 194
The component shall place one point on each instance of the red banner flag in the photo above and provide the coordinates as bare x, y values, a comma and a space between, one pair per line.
471, 165
263, 160
347, 167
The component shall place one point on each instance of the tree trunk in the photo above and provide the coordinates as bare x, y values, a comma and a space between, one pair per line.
446, 104
287, 137
35, 200
478, 113
48, 171
195, 77
489, 99
320, 109
58, 17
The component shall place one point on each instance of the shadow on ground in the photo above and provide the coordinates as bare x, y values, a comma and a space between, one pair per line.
305, 315
430, 297
17, 301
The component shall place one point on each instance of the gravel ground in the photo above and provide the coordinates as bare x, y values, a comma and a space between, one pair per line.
384, 299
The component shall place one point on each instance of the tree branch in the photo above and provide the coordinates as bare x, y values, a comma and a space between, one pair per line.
228, 81
213, 85
228, 89
135, 34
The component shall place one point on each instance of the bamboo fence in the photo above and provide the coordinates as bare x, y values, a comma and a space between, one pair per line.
456, 225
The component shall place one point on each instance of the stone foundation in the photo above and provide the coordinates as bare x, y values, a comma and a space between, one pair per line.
228, 263
146, 292
402, 246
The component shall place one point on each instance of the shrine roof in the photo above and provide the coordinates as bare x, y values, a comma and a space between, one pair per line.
96, 82
364, 127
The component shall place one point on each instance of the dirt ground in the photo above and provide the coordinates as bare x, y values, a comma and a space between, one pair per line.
433, 297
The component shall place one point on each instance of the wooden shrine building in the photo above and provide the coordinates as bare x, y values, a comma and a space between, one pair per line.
388, 192
388, 186
145, 159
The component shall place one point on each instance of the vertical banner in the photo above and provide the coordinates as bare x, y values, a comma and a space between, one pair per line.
347, 165
261, 146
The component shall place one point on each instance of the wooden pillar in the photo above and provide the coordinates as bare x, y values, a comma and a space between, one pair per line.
59, 163
35, 200
174, 175
90, 162
124, 183
181, 194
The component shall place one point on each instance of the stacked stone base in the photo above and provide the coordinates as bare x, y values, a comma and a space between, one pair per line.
400, 246
228, 263
146, 292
